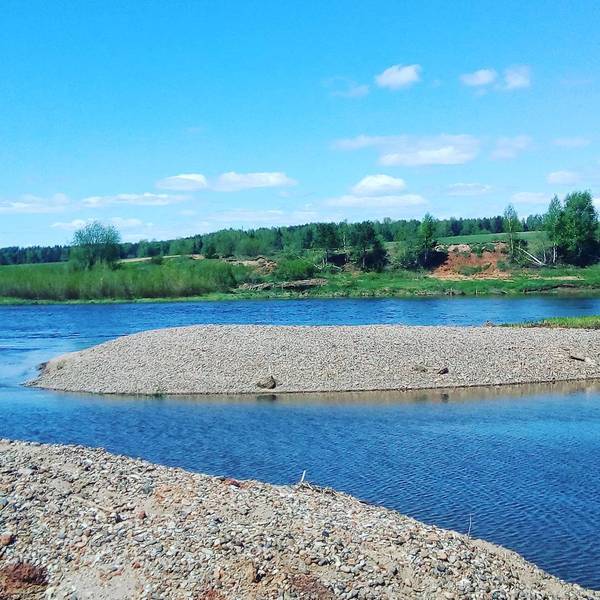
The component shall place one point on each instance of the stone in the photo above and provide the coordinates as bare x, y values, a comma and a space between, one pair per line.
7, 539
267, 383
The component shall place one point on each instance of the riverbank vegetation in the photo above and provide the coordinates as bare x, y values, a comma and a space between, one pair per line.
182, 278
333, 260
589, 322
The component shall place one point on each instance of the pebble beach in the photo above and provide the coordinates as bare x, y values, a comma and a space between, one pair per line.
248, 359
80, 523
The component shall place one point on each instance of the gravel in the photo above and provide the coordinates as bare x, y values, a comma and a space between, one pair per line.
248, 359
79, 523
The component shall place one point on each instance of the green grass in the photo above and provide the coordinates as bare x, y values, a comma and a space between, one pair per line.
174, 278
484, 238
181, 279
590, 322
410, 283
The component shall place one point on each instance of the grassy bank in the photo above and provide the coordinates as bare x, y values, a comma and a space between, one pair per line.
171, 279
590, 322
486, 238
185, 279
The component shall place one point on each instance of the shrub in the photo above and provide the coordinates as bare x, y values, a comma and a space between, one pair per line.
294, 268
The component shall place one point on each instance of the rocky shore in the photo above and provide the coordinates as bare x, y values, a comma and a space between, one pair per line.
78, 523
245, 359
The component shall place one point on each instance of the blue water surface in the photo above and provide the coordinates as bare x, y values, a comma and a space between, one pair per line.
519, 468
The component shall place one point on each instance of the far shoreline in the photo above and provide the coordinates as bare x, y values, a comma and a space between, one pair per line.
232, 297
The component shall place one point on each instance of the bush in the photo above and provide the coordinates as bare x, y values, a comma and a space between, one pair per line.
469, 270
294, 268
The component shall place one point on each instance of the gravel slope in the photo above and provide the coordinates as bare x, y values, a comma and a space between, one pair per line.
237, 359
79, 523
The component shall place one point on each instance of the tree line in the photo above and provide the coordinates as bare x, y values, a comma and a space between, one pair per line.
571, 236
271, 240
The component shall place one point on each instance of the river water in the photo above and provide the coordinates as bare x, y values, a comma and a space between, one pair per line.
519, 467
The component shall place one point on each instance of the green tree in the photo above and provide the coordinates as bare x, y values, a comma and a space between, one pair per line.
512, 226
427, 241
95, 243
552, 225
578, 229
377, 257
326, 238
362, 236
210, 250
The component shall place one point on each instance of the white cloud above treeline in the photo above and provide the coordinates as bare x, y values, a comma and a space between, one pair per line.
118, 222
377, 192
510, 147
571, 142
479, 78
513, 78
184, 182
517, 77
563, 177
226, 182
346, 88
378, 185
468, 189
143, 199
530, 198
388, 201
416, 151
399, 76
31, 204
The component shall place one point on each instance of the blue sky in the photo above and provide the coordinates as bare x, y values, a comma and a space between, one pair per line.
174, 118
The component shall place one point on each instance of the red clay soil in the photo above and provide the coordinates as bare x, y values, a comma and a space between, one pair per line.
22, 580
461, 260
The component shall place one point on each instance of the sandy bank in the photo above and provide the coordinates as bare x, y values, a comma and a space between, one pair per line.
83, 523
252, 359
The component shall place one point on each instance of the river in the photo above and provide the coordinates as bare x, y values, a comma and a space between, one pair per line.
519, 467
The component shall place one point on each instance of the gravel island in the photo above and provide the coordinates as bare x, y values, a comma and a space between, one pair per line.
82, 523
248, 359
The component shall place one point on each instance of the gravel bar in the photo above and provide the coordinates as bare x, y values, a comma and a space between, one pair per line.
248, 359
80, 523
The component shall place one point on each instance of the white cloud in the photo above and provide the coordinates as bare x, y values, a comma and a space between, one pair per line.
354, 90
124, 223
414, 151
510, 147
439, 150
226, 182
30, 204
563, 177
571, 142
517, 77
186, 182
399, 76
346, 88
145, 199
479, 78
389, 201
71, 225
530, 198
234, 182
365, 141
118, 222
468, 189
596, 202
378, 185
247, 217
